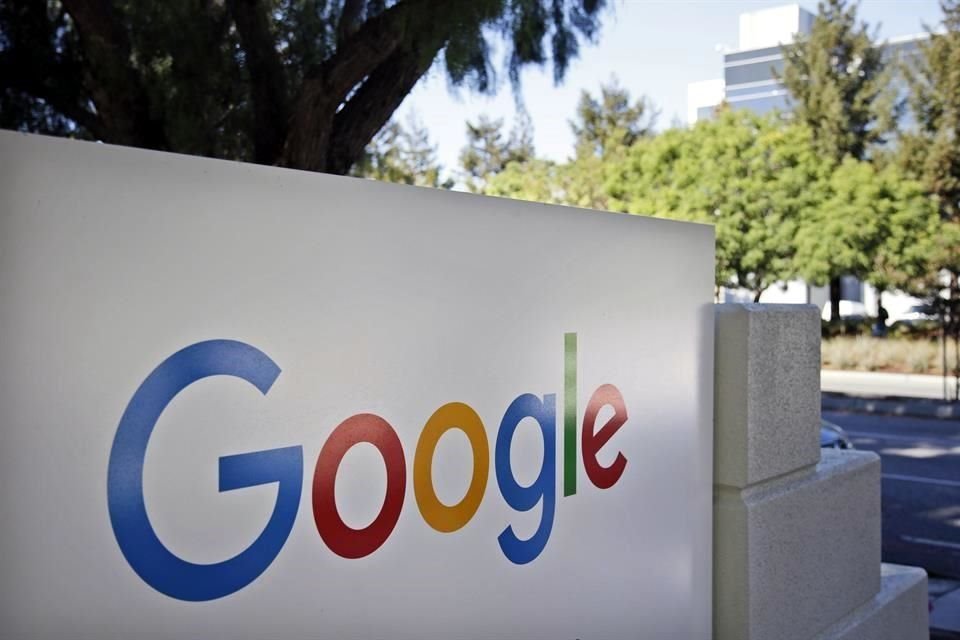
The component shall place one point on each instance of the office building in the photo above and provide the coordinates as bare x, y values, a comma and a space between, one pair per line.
750, 81
750, 73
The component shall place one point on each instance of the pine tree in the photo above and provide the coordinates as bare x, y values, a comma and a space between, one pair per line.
488, 151
612, 121
404, 155
931, 151
605, 127
840, 83
840, 87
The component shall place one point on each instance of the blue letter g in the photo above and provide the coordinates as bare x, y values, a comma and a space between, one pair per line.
152, 561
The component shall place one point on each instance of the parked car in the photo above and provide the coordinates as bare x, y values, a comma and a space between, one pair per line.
850, 311
916, 315
833, 437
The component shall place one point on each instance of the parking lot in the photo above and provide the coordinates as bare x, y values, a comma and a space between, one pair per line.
921, 500
921, 486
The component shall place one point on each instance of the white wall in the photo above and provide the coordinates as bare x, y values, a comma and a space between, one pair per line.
771, 27
705, 93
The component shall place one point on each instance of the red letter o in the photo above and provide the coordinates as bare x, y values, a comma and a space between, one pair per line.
343, 540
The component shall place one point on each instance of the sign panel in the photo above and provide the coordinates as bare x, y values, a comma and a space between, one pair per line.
245, 402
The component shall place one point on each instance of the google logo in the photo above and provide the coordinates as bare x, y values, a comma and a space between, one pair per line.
184, 580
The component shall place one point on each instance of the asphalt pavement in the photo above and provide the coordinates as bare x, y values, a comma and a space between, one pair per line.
920, 467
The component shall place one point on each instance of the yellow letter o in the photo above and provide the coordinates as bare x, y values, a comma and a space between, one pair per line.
441, 517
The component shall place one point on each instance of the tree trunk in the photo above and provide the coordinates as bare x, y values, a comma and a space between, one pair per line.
267, 79
757, 294
956, 363
943, 350
955, 322
308, 136
835, 293
116, 86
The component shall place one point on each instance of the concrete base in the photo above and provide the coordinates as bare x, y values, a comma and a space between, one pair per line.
766, 390
796, 545
899, 611
795, 554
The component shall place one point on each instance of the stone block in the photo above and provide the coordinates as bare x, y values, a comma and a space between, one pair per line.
795, 554
898, 612
767, 391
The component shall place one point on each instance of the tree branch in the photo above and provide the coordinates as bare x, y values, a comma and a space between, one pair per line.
116, 87
32, 65
326, 86
55, 84
349, 21
373, 104
410, 24
372, 43
267, 78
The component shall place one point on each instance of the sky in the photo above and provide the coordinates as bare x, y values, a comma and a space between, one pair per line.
653, 47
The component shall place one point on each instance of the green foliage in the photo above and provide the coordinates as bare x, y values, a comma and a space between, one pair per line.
300, 83
584, 180
403, 155
931, 151
875, 224
536, 180
604, 128
840, 85
753, 177
488, 151
611, 122
579, 182
780, 211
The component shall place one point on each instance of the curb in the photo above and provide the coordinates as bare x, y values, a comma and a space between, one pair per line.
890, 406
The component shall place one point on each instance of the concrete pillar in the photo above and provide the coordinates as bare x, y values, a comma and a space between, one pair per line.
796, 531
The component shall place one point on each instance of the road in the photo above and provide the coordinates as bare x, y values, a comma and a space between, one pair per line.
920, 487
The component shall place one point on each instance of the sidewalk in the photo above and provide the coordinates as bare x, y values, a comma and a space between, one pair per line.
863, 383
898, 394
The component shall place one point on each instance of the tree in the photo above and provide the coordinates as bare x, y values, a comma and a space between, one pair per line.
604, 128
875, 224
488, 151
579, 182
536, 180
931, 152
611, 122
840, 84
297, 83
752, 176
403, 155
840, 87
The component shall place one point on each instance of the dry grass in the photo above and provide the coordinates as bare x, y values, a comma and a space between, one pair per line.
865, 353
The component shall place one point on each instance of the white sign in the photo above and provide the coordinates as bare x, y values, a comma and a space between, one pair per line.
245, 402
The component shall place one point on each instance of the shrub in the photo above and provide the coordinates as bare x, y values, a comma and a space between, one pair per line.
865, 353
